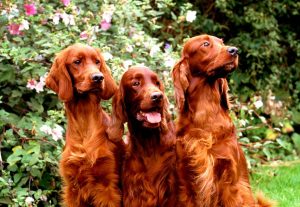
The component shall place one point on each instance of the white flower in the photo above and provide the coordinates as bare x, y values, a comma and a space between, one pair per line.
169, 62
68, 19
166, 73
39, 87
46, 129
71, 18
56, 18
244, 108
258, 104
127, 63
107, 56
141, 64
38, 58
191, 16
129, 48
29, 200
107, 16
243, 122
57, 132
263, 119
4, 12
83, 35
65, 18
138, 37
24, 25
43, 198
154, 50
14, 12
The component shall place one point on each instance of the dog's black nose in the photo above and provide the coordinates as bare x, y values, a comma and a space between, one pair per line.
97, 77
232, 51
156, 96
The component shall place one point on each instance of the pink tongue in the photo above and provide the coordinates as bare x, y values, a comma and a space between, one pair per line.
153, 117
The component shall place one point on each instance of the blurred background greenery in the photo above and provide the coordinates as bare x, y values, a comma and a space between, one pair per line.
265, 89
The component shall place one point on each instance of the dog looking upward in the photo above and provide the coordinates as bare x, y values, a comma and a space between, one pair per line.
89, 162
211, 165
148, 175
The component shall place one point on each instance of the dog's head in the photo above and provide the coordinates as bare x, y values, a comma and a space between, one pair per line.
203, 56
140, 99
80, 68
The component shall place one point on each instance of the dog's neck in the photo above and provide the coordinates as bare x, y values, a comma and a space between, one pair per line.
148, 140
85, 118
204, 107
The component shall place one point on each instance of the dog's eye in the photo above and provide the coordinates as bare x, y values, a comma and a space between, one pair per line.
157, 83
206, 44
77, 62
97, 62
136, 83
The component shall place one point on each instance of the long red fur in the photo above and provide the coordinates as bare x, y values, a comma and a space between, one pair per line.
90, 162
211, 165
148, 173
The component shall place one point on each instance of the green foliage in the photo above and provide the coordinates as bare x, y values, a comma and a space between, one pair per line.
265, 88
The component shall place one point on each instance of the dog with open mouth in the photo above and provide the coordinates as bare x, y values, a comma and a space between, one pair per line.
148, 173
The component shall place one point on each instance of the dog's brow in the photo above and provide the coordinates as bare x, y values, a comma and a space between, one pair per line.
137, 76
154, 78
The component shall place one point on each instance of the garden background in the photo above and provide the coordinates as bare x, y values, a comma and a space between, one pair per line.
265, 88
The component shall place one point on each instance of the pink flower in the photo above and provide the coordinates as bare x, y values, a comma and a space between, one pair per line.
83, 35
105, 25
14, 29
57, 132
31, 84
30, 9
37, 86
66, 2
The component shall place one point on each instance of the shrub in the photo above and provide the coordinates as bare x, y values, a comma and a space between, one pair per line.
265, 88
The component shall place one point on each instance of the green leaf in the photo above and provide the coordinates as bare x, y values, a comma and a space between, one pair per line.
22, 182
267, 152
34, 147
7, 73
13, 159
296, 140
36, 172
284, 144
17, 177
3, 181
6, 200
296, 116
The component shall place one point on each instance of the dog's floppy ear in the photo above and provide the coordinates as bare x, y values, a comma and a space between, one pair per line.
116, 129
110, 85
223, 88
180, 78
59, 79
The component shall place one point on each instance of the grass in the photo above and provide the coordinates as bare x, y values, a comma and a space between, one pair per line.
280, 182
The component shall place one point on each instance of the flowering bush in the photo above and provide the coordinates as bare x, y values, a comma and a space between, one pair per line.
265, 89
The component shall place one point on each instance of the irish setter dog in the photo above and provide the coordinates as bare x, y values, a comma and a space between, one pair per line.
148, 175
211, 165
90, 161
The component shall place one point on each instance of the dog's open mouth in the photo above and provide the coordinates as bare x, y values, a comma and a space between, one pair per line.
150, 119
